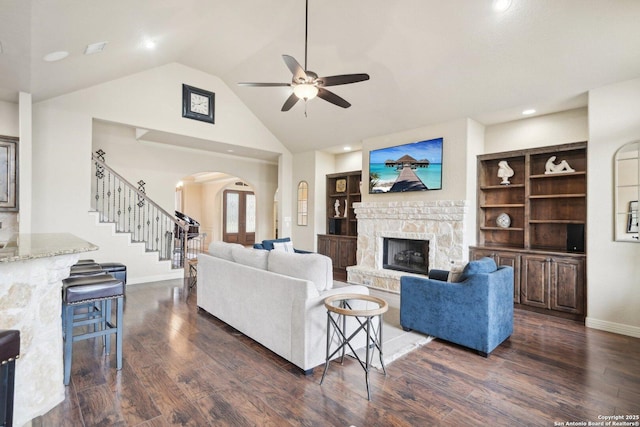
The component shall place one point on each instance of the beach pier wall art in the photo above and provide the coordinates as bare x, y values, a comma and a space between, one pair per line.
416, 166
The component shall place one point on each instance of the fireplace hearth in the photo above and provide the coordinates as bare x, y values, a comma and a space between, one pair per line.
408, 255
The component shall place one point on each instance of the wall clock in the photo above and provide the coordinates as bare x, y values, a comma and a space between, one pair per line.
503, 220
198, 104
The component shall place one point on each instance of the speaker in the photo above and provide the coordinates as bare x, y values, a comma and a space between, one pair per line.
575, 237
334, 226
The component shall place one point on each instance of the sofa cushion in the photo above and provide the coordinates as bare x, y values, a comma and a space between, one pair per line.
313, 267
482, 265
251, 257
222, 250
268, 244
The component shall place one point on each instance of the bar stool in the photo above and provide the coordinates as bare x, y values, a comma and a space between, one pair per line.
94, 295
9, 352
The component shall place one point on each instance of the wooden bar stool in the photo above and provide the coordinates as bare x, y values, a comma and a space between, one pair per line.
86, 300
9, 352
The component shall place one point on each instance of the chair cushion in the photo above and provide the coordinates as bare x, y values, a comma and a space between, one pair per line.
78, 289
9, 344
482, 265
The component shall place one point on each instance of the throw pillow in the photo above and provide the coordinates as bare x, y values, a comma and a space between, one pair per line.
268, 244
255, 258
315, 268
482, 265
456, 272
283, 246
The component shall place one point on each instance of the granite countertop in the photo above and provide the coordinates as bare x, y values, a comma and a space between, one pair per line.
22, 247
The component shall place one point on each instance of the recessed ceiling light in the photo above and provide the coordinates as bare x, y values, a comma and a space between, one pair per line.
56, 56
347, 148
528, 112
501, 5
95, 48
149, 44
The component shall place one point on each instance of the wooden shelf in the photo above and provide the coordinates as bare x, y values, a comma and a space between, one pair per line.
554, 221
502, 229
501, 187
557, 175
557, 196
503, 206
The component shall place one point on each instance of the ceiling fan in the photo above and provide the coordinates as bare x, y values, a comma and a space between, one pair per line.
306, 84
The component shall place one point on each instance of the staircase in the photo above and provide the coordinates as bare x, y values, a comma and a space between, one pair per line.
116, 201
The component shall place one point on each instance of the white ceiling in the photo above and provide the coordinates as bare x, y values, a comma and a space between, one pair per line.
429, 61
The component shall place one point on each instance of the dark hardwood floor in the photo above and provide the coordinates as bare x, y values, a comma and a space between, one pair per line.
184, 367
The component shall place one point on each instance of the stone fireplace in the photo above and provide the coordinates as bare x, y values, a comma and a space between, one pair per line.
441, 224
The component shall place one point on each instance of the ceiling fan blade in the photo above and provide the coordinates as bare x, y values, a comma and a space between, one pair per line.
263, 84
332, 98
290, 102
299, 75
342, 79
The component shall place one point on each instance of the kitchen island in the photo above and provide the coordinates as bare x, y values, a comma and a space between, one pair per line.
32, 267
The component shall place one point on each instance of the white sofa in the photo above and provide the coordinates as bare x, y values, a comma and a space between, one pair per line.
273, 297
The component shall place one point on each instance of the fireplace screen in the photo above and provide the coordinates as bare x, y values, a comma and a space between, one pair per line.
407, 255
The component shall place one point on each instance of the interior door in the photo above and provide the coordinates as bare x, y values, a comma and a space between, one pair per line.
239, 217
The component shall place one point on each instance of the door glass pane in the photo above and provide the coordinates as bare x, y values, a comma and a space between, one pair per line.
250, 213
233, 203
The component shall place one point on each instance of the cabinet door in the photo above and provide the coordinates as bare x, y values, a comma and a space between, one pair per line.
534, 281
324, 245
346, 253
513, 261
567, 285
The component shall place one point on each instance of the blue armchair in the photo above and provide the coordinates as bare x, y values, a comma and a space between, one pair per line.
476, 312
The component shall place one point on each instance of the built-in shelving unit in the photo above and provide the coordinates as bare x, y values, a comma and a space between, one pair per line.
545, 239
340, 241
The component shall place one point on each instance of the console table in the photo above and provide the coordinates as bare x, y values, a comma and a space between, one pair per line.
32, 267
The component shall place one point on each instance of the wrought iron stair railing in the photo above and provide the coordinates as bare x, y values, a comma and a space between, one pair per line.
119, 202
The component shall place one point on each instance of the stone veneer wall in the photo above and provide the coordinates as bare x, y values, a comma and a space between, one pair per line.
31, 301
441, 222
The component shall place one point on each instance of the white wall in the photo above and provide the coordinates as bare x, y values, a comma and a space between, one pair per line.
551, 129
304, 167
613, 268
454, 161
347, 162
63, 133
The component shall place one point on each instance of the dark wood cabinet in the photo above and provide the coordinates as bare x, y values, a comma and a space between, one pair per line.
341, 250
544, 239
340, 241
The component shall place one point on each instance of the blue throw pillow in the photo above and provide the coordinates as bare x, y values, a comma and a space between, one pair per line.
268, 244
483, 265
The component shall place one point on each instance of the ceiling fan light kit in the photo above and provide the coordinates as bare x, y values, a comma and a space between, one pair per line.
306, 84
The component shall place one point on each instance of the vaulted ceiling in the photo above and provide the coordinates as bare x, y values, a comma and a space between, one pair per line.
429, 61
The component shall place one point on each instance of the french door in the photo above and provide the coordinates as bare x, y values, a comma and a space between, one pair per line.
239, 217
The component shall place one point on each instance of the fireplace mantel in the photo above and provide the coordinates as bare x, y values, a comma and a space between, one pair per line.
441, 222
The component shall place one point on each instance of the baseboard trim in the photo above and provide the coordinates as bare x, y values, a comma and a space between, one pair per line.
178, 274
616, 328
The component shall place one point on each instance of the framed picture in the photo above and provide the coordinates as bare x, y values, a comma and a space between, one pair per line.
341, 185
8, 175
632, 225
198, 104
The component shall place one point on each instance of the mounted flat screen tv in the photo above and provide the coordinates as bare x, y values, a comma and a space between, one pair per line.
409, 167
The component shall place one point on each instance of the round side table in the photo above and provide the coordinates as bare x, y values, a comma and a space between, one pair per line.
341, 306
